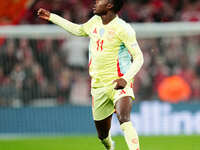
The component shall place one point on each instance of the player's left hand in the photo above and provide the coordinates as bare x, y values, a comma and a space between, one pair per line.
120, 83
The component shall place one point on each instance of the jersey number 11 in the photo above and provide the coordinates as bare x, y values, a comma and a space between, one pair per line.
100, 44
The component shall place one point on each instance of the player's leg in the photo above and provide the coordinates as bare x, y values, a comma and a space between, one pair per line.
102, 109
123, 108
103, 128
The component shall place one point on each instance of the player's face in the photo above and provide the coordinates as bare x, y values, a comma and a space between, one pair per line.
100, 7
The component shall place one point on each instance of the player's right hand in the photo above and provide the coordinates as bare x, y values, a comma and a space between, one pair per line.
43, 13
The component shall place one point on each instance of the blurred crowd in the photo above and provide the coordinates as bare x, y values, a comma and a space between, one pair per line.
80, 11
43, 69
39, 69
56, 70
166, 57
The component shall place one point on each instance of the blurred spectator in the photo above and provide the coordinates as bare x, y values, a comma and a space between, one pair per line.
8, 58
3, 78
44, 50
79, 92
24, 49
64, 86
76, 49
30, 86
8, 92
191, 11
40, 79
17, 76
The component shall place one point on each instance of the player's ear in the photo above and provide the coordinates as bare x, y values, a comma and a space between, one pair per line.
110, 5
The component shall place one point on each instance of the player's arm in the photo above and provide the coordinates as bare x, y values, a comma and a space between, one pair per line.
73, 28
128, 37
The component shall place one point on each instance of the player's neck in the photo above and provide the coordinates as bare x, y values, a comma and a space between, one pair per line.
108, 17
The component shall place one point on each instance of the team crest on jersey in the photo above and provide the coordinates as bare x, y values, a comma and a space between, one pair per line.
111, 34
101, 32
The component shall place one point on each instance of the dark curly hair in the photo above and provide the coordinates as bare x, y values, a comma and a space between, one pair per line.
118, 4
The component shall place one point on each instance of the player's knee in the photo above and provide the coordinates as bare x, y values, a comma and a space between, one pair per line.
102, 136
123, 117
